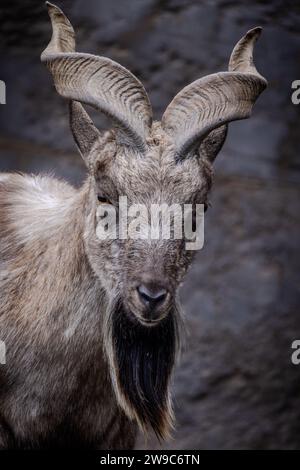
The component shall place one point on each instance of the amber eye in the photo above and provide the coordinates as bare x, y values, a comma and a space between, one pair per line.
103, 199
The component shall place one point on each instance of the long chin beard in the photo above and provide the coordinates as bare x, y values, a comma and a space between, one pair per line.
141, 360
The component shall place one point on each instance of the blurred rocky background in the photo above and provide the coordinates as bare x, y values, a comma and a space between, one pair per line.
235, 386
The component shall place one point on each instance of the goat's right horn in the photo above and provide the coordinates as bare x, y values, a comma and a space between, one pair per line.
97, 81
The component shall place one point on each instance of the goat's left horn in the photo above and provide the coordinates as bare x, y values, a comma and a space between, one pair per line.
97, 81
216, 99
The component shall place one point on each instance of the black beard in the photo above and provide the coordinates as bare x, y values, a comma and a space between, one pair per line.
143, 361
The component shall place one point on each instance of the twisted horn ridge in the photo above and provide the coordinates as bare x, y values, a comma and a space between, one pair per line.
216, 99
97, 81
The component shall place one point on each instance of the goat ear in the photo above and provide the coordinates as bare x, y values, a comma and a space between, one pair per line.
213, 143
83, 129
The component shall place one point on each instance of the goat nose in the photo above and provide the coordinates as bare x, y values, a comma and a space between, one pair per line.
152, 295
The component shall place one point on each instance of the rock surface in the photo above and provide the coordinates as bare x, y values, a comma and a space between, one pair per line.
235, 386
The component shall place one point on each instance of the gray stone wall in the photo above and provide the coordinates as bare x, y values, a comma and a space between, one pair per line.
235, 386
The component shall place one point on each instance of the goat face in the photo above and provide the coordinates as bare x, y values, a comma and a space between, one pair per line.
149, 163
142, 272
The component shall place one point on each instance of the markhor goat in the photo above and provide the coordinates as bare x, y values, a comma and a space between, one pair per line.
91, 327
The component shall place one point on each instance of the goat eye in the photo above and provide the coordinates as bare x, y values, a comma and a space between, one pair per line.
103, 199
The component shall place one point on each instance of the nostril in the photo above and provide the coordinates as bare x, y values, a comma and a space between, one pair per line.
152, 295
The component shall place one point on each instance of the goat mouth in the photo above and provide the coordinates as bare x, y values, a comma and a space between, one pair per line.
144, 317
149, 322
139, 319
